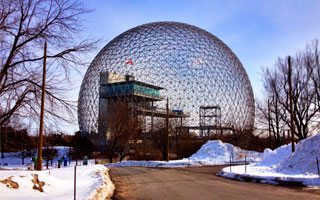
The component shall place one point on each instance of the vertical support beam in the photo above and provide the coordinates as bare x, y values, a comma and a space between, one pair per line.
245, 164
75, 183
291, 104
318, 165
1, 142
179, 133
201, 122
43, 88
167, 131
152, 115
104, 106
221, 133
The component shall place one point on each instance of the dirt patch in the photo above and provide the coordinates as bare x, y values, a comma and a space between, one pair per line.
37, 184
10, 183
103, 191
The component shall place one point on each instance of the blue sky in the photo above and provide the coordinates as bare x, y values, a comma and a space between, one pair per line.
257, 31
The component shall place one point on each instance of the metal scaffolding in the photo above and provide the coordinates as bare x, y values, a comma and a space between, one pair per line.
209, 119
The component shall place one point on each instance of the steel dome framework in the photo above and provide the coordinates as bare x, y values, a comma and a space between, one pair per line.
195, 68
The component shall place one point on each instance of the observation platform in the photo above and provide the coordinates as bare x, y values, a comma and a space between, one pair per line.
140, 91
140, 95
205, 128
157, 112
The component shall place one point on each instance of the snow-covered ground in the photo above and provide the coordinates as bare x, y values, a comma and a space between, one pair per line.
12, 160
281, 165
93, 181
214, 152
58, 183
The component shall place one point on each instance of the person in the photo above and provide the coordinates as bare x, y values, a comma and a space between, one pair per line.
65, 160
34, 160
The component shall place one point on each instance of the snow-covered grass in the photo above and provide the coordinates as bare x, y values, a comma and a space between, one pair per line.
11, 160
59, 183
214, 152
93, 181
282, 165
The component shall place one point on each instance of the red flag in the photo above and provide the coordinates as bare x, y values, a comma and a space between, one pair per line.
129, 62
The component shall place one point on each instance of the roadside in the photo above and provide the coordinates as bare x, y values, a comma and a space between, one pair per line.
195, 183
282, 167
92, 182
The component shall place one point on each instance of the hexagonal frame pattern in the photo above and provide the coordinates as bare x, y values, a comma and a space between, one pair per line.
195, 68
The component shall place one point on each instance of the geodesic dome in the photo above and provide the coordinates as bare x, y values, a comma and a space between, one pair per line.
195, 68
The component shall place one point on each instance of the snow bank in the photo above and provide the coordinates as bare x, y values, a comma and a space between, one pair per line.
268, 175
303, 160
281, 165
273, 158
214, 152
170, 164
59, 183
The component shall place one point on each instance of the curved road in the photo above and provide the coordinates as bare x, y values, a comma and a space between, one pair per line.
195, 183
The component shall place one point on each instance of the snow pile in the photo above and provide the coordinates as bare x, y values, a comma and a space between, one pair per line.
282, 166
214, 152
273, 158
58, 183
303, 160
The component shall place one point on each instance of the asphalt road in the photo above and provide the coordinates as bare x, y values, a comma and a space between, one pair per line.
195, 183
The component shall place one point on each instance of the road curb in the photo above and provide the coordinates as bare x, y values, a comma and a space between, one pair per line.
270, 181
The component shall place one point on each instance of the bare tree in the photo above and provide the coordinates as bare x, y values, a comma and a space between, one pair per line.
159, 138
24, 26
123, 129
305, 92
22, 155
21, 139
49, 153
159, 141
82, 145
178, 133
272, 113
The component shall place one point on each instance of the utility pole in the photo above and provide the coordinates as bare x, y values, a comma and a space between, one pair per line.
1, 149
167, 131
43, 88
269, 122
291, 106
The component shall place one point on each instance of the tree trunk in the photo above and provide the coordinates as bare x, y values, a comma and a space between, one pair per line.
110, 158
177, 146
47, 164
